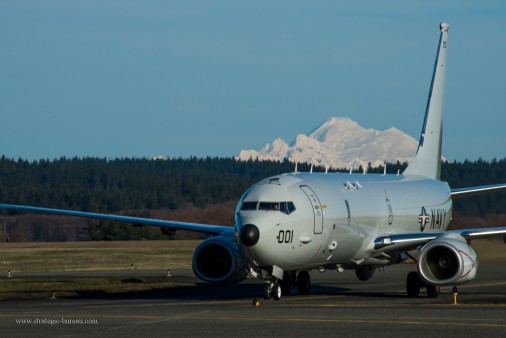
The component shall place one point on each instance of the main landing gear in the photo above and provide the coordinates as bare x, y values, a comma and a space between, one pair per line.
414, 283
276, 288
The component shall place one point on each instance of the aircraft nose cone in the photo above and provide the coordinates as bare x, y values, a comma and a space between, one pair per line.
249, 234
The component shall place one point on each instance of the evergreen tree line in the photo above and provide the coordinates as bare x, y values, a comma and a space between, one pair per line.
95, 184
123, 185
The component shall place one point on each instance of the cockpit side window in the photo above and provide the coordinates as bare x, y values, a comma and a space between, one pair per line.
249, 206
291, 207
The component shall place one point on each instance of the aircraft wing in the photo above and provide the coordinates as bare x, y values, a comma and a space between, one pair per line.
391, 243
205, 228
461, 192
404, 242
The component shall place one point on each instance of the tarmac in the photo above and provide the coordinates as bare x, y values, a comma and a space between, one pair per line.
339, 305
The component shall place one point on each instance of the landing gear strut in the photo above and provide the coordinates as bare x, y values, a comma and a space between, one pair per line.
414, 283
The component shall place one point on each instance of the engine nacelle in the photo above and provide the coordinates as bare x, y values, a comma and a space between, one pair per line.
448, 260
218, 260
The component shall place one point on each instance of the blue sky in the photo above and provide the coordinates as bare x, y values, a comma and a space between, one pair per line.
209, 78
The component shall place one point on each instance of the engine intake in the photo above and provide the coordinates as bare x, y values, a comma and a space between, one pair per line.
218, 260
447, 260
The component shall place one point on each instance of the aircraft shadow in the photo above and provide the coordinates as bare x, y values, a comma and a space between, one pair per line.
211, 292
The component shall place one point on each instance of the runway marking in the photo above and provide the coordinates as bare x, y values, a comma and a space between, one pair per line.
336, 305
425, 322
156, 319
481, 285
201, 315
165, 304
213, 302
245, 301
131, 317
297, 301
351, 321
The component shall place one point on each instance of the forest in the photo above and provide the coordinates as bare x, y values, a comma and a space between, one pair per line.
187, 189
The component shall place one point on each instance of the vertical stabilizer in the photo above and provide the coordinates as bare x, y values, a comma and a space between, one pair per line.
427, 161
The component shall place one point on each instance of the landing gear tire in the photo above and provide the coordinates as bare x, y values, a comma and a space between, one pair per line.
267, 291
276, 292
433, 291
272, 289
303, 283
413, 284
285, 284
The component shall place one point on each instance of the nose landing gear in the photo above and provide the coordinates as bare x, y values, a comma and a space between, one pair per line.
275, 287
272, 288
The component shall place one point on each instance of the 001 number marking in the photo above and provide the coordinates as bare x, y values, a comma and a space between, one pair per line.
285, 236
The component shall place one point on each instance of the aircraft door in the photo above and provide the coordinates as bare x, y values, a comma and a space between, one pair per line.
317, 208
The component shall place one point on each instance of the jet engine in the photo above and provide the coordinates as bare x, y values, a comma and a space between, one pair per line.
447, 260
218, 260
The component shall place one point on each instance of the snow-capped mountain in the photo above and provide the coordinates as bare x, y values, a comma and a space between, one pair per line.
340, 143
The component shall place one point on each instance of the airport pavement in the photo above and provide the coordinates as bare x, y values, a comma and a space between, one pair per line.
339, 305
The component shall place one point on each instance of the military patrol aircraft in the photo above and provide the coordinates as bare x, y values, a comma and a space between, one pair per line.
289, 224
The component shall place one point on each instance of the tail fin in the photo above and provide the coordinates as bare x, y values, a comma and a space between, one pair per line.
427, 161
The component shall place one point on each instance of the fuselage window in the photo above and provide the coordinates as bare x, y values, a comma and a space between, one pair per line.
249, 206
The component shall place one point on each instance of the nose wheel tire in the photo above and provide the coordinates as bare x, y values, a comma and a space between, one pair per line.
276, 292
267, 291
272, 289
285, 284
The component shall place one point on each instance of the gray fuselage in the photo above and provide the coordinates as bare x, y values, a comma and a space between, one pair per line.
337, 217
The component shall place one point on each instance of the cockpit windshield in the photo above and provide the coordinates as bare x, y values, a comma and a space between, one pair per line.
268, 206
249, 206
284, 207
